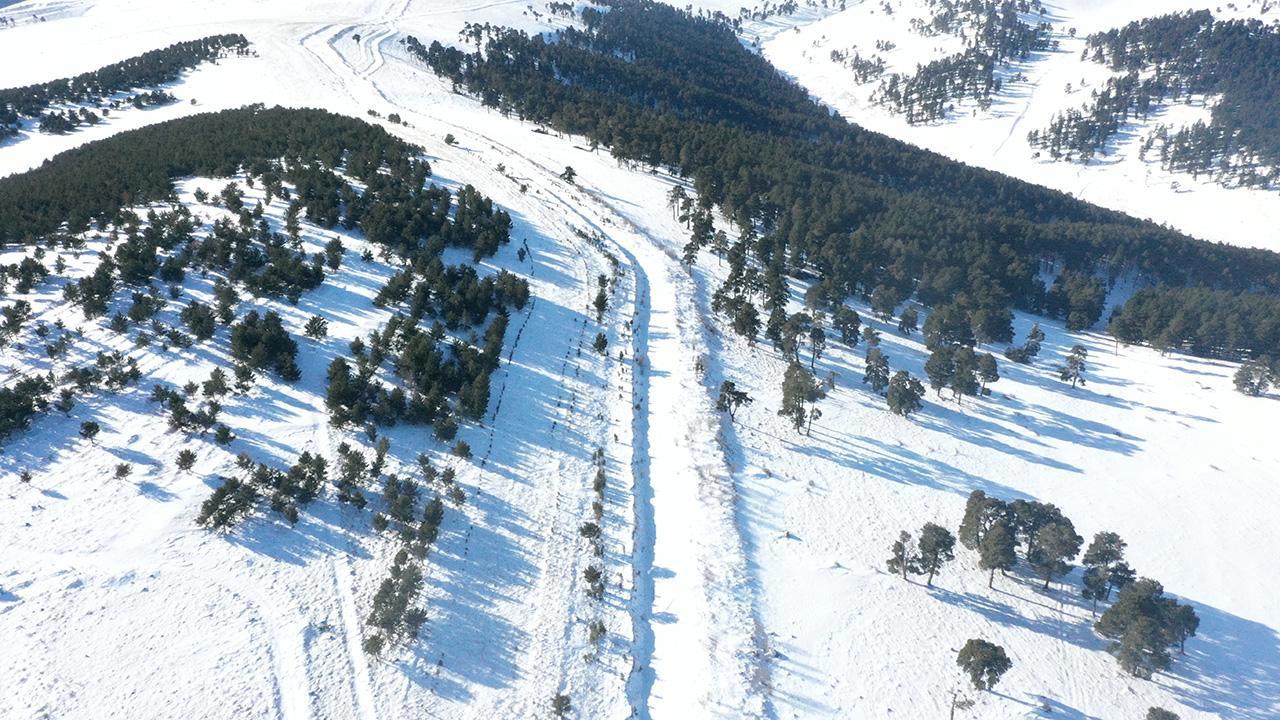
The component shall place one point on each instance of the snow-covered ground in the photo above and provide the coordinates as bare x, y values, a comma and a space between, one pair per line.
801, 44
744, 562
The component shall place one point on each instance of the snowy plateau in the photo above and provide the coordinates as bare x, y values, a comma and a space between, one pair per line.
743, 563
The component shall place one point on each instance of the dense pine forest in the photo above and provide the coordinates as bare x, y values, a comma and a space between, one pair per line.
815, 196
1232, 63
305, 157
94, 90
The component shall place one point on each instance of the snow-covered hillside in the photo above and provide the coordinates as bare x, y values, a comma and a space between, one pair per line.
801, 45
743, 561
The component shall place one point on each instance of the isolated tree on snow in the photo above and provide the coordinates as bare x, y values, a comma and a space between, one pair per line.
904, 394
1253, 378
902, 559
186, 460
600, 344
89, 430
1054, 545
561, 705
316, 328
569, 175
984, 662
799, 388
1157, 713
1073, 369
997, 551
846, 320
601, 303
731, 398
937, 546
877, 371
1142, 623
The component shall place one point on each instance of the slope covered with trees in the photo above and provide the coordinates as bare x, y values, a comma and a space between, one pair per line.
1172, 58
94, 88
813, 195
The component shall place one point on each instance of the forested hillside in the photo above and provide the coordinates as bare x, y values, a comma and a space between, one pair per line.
813, 194
93, 91
1231, 65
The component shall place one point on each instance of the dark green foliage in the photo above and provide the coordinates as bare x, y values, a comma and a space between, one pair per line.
20, 401
1253, 377
600, 344
936, 548
261, 342
200, 320
392, 611
664, 87
877, 370
1156, 713
846, 320
980, 514
997, 550
1074, 367
799, 388
230, 502
731, 398
1142, 624
186, 460
89, 430
1054, 545
904, 394
984, 662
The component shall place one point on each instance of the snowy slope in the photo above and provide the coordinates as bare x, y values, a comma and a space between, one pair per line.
743, 562
801, 45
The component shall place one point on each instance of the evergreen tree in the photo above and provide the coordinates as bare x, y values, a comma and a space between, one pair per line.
884, 300
1104, 556
1142, 623
988, 370
1157, 713
89, 430
877, 370
902, 559
846, 320
1253, 378
904, 394
939, 368
1074, 368
980, 514
984, 662
909, 321
798, 390
964, 376
1055, 544
996, 550
936, 549
1094, 586
731, 398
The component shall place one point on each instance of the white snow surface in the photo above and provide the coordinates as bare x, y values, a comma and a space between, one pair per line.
744, 561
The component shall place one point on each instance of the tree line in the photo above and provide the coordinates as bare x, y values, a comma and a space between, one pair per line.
813, 195
149, 69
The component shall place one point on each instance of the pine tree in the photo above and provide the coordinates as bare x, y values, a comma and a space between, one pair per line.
937, 546
939, 368
980, 514
1104, 556
797, 387
984, 662
996, 550
988, 370
909, 321
1074, 368
1054, 545
903, 559
1157, 713
1094, 586
846, 320
877, 370
89, 430
964, 379
186, 460
731, 398
904, 394
1253, 378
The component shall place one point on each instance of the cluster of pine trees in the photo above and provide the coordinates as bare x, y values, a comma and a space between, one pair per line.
95, 88
811, 194
994, 32
1177, 56
1141, 624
